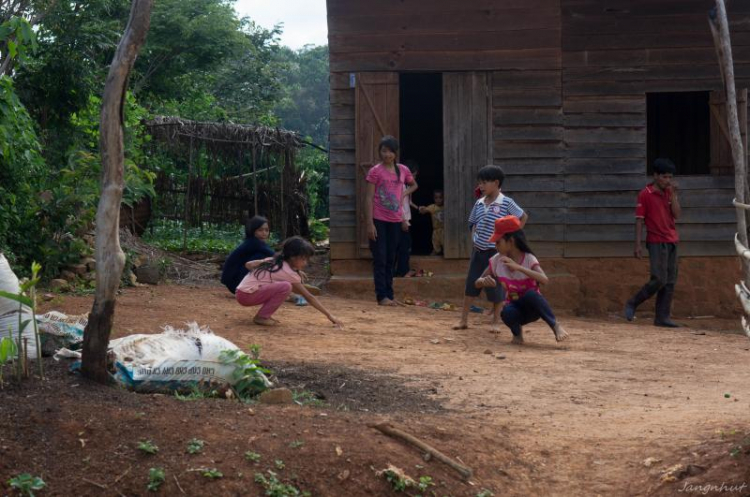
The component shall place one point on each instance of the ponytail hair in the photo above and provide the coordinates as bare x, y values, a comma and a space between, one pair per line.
295, 246
519, 238
391, 144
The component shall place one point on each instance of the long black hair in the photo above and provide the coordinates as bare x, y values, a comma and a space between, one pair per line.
254, 224
295, 246
519, 237
391, 144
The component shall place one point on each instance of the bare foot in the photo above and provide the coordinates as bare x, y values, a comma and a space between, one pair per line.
495, 328
560, 333
386, 302
517, 340
462, 325
264, 321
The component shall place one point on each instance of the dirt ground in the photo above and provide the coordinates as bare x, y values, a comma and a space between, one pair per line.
609, 412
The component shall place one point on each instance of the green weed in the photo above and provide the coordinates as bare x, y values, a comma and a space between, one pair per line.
148, 447
307, 398
276, 488
195, 446
156, 477
26, 484
279, 464
212, 473
296, 444
252, 456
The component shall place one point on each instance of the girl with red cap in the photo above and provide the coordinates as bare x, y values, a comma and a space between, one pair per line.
517, 269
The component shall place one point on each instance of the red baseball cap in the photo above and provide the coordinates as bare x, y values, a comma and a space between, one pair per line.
503, 226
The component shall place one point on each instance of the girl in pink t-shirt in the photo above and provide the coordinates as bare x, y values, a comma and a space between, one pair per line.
270, 281
517, 270
387, 185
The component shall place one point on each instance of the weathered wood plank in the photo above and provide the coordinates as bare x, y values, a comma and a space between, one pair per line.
526, 79
342, 97
523, 150
604, 88
533, 97
613, 150
344, 219
619, 105
515, 184
531, 133
688, 198
386, 40
339, 81
460, 19
595, 120
576, 42
342, 111
447, 60
339, 203
342, 127
625, 232
343, 171
342, 142
401, 7
625, 249
345, 187
527, 116
545, 232
528, 200
343, 250
605, 135
587, 183
534, 167
599, 165
626, 215
342, 156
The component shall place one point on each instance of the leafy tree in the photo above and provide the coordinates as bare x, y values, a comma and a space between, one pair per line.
304, 106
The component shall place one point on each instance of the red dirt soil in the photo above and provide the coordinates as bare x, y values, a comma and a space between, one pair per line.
543, 419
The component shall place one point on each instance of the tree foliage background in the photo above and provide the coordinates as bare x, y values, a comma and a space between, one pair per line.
201, 61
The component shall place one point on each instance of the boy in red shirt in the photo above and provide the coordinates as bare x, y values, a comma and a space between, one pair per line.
658, 208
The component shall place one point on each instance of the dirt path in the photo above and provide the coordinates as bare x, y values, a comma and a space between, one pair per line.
578, 418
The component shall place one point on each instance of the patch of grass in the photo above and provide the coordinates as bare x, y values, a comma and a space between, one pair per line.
485, 493
279, 464
276, 488
307, 398
196, 394
156, 477
25, 484
296, 444
252, 456
195, 446
148, 447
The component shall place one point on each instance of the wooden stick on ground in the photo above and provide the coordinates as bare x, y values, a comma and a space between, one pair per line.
178, 484
396, 433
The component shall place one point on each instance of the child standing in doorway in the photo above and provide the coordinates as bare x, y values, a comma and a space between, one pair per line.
403, 250
491, 206
270, 281
385, 214
517, 270
435, 210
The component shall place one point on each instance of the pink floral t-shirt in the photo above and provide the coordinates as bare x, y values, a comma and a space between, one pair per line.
389, 191
516, 283
250, 283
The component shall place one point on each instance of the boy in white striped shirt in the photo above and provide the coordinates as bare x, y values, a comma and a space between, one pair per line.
493, 205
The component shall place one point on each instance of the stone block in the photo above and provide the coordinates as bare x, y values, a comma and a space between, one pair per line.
277, 396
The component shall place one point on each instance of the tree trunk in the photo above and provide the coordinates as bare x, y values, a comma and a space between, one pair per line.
110, 259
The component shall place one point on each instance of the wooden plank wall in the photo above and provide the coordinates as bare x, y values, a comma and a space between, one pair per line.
614, 52
440, 35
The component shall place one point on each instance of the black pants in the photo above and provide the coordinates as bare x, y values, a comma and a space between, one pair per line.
480, 261
384, 257
527, 309
403, 252
663, 262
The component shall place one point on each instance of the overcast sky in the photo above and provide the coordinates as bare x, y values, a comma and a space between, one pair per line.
304, 20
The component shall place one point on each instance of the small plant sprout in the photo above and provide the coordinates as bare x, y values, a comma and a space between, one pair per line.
195, 446
212, 473
148, 447
156, 476
255, 351
276, 488
400, 481
279, 464
252, 456
249, 378
26, 484
485, 493
296, 444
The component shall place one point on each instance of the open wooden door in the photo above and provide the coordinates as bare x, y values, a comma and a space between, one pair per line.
467, 138
376, 114
721, 150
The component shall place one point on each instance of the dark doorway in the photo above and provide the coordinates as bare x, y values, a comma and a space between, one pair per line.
421, 133
679, 129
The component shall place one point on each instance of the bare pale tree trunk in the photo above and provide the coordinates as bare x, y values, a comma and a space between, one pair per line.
110, 259
720, 30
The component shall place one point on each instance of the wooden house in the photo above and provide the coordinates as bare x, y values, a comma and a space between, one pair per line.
573, 98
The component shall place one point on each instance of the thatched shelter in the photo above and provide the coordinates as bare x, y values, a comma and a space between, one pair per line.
266, 182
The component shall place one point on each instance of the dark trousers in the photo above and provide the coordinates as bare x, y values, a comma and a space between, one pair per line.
384, 257
663, 262
479, 262
527, 309
403, 252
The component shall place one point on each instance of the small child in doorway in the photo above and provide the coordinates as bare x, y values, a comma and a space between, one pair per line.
270, 281
517, 270
435, 210
491, 206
